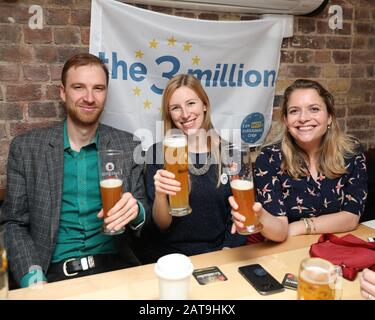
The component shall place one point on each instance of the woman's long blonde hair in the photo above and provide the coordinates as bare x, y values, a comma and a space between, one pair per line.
189, 81
335, 145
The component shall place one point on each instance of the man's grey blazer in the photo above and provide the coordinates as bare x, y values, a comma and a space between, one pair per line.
31, 210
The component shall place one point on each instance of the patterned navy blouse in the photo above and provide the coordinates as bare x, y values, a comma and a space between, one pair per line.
282, 195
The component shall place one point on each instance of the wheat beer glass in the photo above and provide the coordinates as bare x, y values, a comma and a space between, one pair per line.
176, 161
237, 164
110, 177
319, 279
3, 267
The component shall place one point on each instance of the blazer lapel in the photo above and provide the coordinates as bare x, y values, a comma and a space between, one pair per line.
55, 168
104, 138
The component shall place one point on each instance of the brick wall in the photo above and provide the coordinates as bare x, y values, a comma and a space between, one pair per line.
31, 61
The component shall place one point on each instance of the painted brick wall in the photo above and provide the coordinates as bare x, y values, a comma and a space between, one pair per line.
31, 61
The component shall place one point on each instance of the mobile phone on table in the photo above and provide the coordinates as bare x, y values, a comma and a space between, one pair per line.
260, 279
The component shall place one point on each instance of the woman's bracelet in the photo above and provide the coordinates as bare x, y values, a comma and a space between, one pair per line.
309, 225
313, 226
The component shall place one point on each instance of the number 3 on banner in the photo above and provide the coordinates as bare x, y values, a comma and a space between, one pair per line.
175, 68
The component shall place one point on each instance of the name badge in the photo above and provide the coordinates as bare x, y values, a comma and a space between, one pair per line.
224, 178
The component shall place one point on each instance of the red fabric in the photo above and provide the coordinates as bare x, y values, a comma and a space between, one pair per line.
349, 252
254, 238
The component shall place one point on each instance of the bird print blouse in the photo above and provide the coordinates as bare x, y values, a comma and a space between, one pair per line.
304, 197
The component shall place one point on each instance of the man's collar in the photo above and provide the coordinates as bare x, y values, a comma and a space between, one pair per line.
67, 141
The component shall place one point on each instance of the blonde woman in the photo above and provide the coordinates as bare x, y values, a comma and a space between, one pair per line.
313, 180
186, 107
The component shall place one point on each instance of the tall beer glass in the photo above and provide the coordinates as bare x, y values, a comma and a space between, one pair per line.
110, 177
176, 161
319, 279
3, 267
237, 164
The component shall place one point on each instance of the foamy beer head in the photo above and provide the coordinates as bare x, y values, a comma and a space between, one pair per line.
111, 183
317, 280
241, 185
175, 149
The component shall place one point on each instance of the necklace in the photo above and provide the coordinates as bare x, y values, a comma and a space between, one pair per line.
202, 170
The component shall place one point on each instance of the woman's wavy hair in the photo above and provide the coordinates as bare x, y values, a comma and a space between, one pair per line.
335, 145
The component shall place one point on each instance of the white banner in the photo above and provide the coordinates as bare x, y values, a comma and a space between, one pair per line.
236, 61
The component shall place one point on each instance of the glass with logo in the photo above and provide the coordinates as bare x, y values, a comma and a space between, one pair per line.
111, 179
319, 279
176, 161
3, 267
237, 165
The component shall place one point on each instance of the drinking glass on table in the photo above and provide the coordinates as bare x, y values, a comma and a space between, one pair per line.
237, 164
111, 179
319, 279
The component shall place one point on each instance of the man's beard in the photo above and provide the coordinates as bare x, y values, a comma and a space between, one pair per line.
81, 120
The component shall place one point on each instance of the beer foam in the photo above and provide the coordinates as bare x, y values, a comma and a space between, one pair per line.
239, 184
111, 183
175, 141
315, 275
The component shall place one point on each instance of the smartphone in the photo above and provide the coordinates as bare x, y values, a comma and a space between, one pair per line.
260, 279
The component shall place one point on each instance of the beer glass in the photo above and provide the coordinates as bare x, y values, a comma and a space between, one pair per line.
110, 177
319, 279
3, 267
176, 161
237, 164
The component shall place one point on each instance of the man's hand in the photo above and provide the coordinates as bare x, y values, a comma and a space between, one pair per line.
123, 212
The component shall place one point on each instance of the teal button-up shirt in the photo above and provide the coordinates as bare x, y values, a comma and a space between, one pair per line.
79, 231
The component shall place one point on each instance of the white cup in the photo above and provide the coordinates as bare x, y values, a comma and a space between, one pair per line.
174, 271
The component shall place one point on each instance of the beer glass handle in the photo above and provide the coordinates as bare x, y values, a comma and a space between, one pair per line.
338, 283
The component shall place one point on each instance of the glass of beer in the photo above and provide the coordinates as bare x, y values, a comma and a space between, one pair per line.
237, 164
110, 177
176, 161
319, 279
3, 267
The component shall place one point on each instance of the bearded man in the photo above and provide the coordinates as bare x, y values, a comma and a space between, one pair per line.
53, 210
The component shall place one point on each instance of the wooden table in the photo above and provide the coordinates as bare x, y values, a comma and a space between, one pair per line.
141, 282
